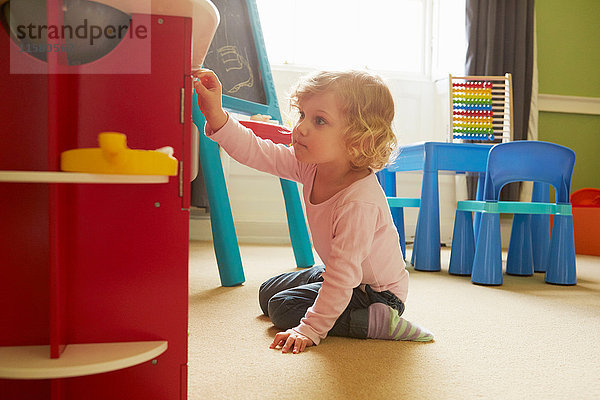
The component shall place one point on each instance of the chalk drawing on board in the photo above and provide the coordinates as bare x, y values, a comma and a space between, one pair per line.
234, 55
233, 60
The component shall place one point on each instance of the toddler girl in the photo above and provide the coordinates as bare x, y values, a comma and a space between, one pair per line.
342, 135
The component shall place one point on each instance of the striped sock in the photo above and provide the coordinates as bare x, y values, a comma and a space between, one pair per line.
385, 323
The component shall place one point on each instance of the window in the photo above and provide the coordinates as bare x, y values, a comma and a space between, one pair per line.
450, 41
410, 37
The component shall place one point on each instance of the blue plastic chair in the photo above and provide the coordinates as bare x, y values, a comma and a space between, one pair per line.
544, 164
387, 180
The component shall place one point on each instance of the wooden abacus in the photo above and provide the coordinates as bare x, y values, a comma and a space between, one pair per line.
480, 108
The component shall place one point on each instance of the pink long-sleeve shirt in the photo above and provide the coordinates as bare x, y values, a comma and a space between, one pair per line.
353, 231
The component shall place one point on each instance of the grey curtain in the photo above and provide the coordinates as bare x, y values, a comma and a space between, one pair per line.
500, 40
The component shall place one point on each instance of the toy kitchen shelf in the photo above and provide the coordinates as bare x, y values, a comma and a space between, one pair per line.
77, 177
34, 362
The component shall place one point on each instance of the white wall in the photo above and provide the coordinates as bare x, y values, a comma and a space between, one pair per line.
256, 199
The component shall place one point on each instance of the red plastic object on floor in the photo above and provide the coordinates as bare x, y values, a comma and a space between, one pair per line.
586, 221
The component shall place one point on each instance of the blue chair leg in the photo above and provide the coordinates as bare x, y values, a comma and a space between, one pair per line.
297, 225
387, 180
414, 250
561, 265
540, 241
398, 218
487, 263
520, 253
478, 196
463, 244
426, 248
540, 228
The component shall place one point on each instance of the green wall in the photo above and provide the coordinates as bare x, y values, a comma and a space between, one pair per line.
568, 39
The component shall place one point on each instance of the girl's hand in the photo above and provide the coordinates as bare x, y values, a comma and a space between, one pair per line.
208, 88
291, 340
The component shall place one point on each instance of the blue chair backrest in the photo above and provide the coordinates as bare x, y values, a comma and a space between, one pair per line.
535, 161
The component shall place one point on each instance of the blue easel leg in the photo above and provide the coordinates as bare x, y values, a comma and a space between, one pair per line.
226, 246
225, 241
426, 248
297, 225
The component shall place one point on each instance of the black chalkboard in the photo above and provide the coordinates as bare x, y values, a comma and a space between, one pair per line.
233, 53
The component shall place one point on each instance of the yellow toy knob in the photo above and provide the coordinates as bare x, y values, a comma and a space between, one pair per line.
114, 157
113, 145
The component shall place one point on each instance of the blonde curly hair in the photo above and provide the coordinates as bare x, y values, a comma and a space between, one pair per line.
368, 107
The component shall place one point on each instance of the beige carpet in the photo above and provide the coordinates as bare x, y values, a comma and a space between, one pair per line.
523, 340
